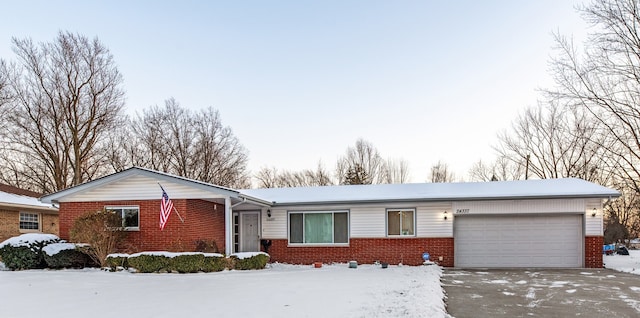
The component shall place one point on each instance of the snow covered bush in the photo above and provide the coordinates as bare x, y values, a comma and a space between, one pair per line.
115, 261
187, 263
66, 255
102, 230
214, 263
168, 262
25, 251
245, 261
148, 263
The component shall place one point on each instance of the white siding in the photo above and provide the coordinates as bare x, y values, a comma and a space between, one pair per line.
274, 227
593, 225
519, 206
430, 220
138, 188
368, 221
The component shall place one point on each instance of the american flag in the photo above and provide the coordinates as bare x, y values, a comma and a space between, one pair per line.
165, 209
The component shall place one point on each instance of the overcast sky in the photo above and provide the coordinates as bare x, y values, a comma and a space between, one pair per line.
300, 81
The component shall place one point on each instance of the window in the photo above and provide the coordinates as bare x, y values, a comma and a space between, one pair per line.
29, 221
130, 216
323, 227
401, 222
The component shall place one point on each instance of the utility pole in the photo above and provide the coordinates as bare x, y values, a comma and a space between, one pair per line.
526, 168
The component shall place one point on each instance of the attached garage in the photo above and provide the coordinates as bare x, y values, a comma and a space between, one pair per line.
519, 240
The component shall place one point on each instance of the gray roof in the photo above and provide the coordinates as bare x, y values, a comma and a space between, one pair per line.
463, 191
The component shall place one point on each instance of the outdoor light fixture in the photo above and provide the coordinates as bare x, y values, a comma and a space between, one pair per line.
593, 214
445, 215
268, 213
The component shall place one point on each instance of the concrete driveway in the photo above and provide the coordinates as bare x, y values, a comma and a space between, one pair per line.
541, 293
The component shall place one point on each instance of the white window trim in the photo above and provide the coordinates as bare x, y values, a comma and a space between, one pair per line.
318, 244
38, 230
386, 222
122, 207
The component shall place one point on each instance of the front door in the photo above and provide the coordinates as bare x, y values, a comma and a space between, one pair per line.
249, 232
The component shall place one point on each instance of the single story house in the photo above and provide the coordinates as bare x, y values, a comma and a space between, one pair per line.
532, 223
22, 212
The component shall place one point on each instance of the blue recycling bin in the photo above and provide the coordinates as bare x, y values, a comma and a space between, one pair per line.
425, 256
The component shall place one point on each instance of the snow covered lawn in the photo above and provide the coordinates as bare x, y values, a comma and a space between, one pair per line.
278, 291
624, 263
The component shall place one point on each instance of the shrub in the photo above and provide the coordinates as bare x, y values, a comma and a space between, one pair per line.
67, 258
25, 251
214, 263
257, 261
169, 262
114, 261
146, 263
102, 230
187, 263
20, 257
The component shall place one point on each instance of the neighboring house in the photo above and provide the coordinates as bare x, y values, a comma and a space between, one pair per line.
22, 212
533, 223
634, 243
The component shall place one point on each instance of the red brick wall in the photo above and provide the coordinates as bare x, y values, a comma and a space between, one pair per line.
407, 251
593, 251
203, 220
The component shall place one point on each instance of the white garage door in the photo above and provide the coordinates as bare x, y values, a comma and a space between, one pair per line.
518, 241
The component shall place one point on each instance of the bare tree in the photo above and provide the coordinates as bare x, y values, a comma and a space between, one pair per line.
396, 171
5, 95
190, 144
440, 173
603, 80
622, 218
67, 95
502, 169
555, 142
272, 178
361, 163
267, 177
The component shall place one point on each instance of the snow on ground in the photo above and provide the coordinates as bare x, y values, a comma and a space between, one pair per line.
278, 291
624, 263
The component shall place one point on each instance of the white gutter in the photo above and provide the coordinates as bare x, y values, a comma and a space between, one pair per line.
29, 207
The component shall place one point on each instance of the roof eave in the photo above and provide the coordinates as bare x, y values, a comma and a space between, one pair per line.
446, 199
256, 201
29, 207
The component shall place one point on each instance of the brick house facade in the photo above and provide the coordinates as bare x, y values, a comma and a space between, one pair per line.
203, 221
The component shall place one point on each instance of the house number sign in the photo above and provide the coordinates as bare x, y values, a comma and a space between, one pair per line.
462, 211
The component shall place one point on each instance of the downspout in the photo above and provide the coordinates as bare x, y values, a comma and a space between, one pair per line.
228, 219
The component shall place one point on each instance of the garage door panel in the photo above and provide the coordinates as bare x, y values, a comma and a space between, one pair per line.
518, 241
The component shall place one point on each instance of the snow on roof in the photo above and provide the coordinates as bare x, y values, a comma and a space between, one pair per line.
522, 189
22, 201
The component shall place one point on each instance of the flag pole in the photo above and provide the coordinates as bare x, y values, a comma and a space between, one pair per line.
181, 220
174, 207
